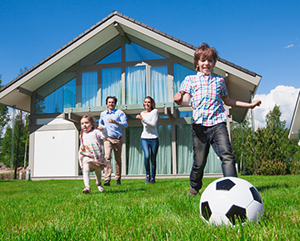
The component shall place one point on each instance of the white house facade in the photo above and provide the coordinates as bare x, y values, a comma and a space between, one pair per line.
120, 57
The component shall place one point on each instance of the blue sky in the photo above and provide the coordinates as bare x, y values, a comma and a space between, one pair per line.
261, 36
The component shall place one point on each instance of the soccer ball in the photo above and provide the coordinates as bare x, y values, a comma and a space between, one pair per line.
229, 200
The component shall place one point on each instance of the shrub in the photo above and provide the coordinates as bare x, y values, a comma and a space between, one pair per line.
295, 166
272, 168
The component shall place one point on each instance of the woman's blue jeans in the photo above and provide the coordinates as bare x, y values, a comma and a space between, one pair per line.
150, 148
217, 137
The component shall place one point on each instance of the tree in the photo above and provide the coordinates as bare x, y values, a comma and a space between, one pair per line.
3, 114
265, 151
239, 131
7, 140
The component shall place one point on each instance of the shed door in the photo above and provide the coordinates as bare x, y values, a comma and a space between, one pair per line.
55, 153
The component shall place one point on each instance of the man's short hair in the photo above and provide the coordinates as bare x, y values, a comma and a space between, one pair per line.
112, 97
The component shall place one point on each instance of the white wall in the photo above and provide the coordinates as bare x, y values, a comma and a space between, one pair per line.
55, 153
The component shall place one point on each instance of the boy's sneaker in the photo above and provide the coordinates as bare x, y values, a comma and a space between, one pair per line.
192, 192
118, 182
147, 180
107, 183
152, 180
86, 190
100, 187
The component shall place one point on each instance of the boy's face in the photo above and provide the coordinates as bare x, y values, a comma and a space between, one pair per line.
206, 65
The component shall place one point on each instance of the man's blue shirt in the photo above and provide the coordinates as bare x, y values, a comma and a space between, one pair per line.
113, 129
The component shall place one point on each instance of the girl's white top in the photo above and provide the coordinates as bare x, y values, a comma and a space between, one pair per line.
149, 123
91, 148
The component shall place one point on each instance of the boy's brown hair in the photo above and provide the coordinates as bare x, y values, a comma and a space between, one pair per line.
204, 51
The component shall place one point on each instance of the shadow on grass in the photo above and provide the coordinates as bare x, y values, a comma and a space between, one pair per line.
274, 186
126, 190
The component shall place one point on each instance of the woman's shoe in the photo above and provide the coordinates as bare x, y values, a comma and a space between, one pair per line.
147, 180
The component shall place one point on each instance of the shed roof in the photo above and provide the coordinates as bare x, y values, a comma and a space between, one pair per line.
240, 81
295, 124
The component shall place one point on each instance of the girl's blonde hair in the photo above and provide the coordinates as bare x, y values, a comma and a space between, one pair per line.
92, 120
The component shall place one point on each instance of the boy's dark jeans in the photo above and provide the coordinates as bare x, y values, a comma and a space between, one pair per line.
203, 137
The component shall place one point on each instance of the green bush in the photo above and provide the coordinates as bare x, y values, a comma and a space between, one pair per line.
295, 166
272, 168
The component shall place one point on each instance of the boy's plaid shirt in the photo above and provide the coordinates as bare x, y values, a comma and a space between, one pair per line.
206, 98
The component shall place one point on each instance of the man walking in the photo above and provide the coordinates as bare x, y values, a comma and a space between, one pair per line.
113, 120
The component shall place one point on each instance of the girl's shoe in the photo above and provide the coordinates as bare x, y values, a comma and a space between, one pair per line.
100, 187
86, 190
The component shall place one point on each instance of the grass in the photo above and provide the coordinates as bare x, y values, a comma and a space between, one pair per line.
57, 210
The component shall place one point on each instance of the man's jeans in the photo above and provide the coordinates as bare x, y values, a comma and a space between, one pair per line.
151, 144
203, 137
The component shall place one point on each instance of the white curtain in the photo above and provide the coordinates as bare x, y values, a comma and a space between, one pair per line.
89, 89
164, 154
180, 72
159, 84
111, 84
135, 84
136, 155
185, 153
135, 151
69, 90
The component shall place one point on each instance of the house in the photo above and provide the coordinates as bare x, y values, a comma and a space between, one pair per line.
295, 124
123, 57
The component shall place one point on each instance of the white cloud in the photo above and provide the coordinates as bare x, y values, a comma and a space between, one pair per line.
289, 46
284, 96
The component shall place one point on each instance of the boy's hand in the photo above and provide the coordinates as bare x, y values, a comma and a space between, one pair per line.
178, 97
255, 103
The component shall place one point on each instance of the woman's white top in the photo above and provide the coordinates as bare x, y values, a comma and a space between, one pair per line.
149, 123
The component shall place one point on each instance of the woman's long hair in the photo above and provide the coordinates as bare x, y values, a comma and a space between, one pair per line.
151, 101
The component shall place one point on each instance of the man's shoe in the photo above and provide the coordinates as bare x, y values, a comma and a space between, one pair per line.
192, 192
107, 183
118, 182
147, 180
152, 180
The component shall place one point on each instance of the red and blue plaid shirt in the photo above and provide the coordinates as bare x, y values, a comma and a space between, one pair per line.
206, 98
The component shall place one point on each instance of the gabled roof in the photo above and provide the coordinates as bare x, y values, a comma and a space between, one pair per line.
295, 124
18, 92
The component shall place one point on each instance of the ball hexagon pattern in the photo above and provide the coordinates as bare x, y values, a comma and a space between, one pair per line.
229, 199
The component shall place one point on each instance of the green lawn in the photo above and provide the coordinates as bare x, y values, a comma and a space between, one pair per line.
57, 210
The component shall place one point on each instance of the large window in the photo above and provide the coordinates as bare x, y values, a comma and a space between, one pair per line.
159, 84
50, 99
135, 85
89, 89
111, 84
180, 72
143, 73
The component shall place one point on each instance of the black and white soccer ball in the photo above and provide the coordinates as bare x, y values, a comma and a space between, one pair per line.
229, 200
